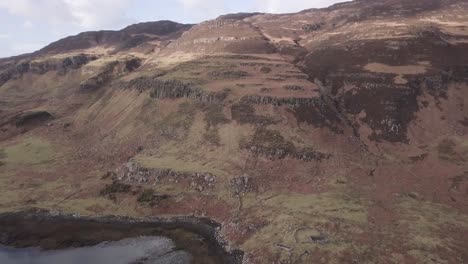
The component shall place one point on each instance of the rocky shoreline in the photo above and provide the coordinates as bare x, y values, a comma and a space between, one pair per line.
50, 230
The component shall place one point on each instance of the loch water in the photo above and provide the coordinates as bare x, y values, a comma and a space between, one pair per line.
144, 250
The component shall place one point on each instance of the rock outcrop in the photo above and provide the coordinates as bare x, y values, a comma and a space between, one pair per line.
244, 113
31, 118
314, 111
111, 71
173, 89
135, 174
272, 145
243, 185
61, 66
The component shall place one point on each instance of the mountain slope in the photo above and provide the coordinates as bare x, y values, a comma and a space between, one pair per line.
331, 135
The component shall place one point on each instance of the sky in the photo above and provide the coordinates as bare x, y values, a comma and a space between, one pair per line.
28, 25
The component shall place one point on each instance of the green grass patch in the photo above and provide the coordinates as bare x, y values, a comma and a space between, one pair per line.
426, 222
177, 124
328, 205
464, 143
29, 151
301, 222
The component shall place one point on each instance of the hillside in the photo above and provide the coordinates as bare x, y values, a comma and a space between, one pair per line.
335, 135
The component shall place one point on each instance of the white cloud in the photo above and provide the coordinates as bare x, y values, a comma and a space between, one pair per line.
53, 12
4, 36
204, 9
28, 24
103, 13
205, 5
85, 14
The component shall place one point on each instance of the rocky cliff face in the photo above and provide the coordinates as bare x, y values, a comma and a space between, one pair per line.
331, 135
111, 71
61, 66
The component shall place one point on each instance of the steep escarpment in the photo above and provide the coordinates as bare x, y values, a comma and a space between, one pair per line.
110, 71
331, 135
173, 89
218, 36
60, 65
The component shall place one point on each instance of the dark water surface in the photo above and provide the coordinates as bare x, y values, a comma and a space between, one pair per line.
38, 237
159, 250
